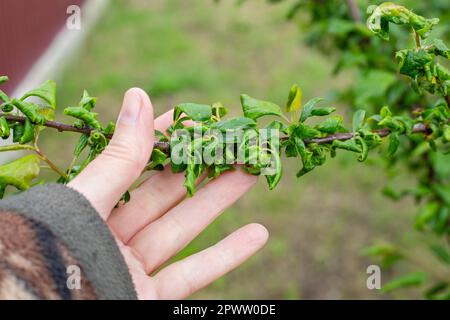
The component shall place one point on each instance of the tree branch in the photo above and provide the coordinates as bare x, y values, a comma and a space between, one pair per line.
165, 147
418, 128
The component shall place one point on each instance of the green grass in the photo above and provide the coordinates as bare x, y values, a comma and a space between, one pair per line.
181, 51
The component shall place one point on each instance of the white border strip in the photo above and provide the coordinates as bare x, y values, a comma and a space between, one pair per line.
64, 46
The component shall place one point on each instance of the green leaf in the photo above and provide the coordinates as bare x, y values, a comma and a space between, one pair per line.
18, 130
358, 119
319, 112
31, 110
412, 61
349, 145
219, 110
3, 79
46, 91
28, 132
4, 128
389, 12
19, 173
364, 149
413, 279
394, 142
276, 125
308, 107
274, 179
254, 108
233, 124
385, 112
193, 171
158, 160
87, 102
331, 125
89, 118
4, 97
196, 112
81, 145
294, 102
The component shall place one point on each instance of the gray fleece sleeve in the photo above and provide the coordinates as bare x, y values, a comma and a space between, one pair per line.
72, 220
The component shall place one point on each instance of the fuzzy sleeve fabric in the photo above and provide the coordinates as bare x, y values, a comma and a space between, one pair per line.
54, 245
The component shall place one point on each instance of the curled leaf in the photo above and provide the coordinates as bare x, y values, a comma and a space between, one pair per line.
46, 91
80, 113
388, 12
294, 102
4, 128
308, 108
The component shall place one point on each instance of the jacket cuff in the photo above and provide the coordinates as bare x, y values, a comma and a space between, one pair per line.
73, 220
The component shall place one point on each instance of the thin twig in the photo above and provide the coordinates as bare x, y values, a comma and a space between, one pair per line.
165, 146
418, 128
61, 127
354, 11
50, 163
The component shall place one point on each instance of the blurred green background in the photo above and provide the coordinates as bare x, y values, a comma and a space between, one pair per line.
198, 51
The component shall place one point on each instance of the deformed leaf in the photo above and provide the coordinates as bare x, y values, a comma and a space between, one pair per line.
254, 108
219, 110
274, 179
46, 91
195, 111
31, 110
294, 102
89, 118
19, 173
4, 128
358, 119
388, 12
158, 159
87, 102
331, 125
394, 142
308, 108
28, 132
81, 144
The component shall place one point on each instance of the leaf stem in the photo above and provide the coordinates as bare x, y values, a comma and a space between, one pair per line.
417, 39
49, 162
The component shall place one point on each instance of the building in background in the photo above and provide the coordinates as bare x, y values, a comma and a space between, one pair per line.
35, 42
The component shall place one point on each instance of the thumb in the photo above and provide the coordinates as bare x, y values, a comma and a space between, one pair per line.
107, 177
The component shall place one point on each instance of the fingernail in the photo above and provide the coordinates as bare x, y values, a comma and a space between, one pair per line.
131, 108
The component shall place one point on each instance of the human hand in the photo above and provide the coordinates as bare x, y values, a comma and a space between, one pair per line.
159, 221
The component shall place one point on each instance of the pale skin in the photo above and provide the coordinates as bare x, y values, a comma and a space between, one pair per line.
159, 220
